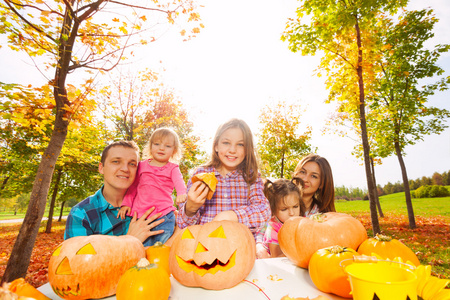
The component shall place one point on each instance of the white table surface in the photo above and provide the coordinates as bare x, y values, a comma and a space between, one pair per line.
277, 277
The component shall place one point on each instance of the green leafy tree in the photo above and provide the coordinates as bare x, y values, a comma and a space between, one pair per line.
401, 116
71, 36
138, 104
280, 145
341, 30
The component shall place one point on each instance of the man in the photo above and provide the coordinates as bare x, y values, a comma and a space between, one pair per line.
97, 214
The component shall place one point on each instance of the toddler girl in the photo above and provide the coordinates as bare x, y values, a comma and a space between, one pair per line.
155, 180
239, 192
285, 198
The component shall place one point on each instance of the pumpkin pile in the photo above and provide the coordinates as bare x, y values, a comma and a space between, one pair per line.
321, 242
209, 179
216, 255
301, 237
87, 267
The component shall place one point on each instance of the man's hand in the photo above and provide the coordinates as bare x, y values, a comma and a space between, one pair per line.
141, 228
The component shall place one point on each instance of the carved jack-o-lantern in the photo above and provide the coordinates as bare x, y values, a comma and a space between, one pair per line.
86, 267
216, 255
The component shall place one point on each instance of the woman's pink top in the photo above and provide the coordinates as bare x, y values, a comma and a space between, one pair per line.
153, 186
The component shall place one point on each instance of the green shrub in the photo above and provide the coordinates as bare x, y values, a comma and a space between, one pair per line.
431, 191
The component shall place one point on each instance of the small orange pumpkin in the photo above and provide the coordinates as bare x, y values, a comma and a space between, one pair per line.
209, 179
22, 288
327, 274
85, 267
159, 254
300, 237
387, 247
144, 281
215, 256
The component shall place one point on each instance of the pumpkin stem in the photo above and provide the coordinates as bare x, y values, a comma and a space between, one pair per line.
318, 217
383, 238
158, 244
337, 249
142, 263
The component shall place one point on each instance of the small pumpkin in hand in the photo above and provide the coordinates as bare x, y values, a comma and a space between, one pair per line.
85, 267
327, 274
209, 179
159, 254
216, 255
144, 281
300, 237
387, 247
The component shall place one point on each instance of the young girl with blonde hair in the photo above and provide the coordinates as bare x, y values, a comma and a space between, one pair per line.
156, 178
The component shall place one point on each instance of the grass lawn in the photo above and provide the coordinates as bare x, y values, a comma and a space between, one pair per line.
430, 240
396, 203
9, 215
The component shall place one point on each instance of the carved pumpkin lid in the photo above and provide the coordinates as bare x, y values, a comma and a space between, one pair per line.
210, 180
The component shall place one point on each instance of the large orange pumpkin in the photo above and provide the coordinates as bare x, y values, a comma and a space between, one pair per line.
86, 267
216, 255
300, 237
387, 247
327, 273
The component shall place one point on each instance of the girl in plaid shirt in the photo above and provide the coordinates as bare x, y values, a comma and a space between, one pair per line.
239, 192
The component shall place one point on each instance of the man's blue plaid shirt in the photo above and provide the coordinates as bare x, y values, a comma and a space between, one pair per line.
94, 215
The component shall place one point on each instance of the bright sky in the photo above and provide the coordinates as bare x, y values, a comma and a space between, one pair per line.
238, 64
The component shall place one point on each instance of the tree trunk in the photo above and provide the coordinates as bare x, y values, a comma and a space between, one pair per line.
377, 199
61, 211
52, 202
282, 166
365, 141
411, 218
21, 253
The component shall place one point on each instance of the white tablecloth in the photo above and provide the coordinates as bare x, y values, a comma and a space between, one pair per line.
277, 277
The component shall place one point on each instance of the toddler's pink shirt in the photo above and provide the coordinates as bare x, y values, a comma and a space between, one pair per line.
153, 186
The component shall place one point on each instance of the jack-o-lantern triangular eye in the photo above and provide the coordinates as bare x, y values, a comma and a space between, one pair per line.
88, 249
218, 233
57, 251
64, 267
187, 235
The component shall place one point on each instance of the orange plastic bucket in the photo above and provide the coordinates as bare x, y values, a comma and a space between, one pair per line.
381, 281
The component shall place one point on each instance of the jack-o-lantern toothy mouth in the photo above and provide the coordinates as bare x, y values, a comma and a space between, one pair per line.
213, 268
64, 292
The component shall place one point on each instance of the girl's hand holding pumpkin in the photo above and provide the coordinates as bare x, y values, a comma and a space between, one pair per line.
141, 228
196, 197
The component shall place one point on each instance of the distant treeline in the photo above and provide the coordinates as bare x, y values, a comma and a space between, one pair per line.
428, 184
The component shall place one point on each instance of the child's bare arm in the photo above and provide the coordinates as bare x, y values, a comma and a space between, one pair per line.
275, 250
123, 211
